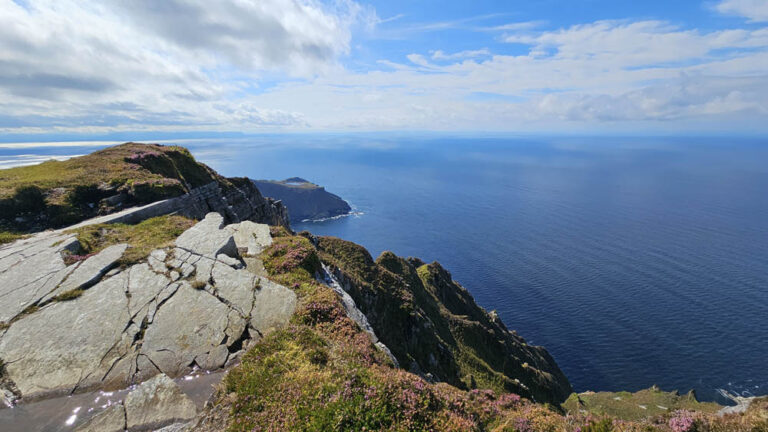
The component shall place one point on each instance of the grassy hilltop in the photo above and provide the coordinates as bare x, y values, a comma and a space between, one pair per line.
54, 194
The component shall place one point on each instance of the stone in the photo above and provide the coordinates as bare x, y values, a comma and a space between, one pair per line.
29, 270
67, 345
207, 238
234, 286
214, 359
111, 419
92, 269
273, 306
143, 286
191, 323
252, 238
157, 403
232, 262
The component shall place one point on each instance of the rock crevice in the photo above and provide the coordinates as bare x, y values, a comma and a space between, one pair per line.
194, 303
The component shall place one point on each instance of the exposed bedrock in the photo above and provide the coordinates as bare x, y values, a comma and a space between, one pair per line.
90, 324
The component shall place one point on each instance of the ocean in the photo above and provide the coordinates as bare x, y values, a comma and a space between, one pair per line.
634, 261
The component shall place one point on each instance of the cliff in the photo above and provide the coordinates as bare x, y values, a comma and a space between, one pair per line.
303, 199
435, 329
314, 334
56, 194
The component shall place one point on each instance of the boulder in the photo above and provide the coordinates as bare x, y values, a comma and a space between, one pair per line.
157, 403
111, 419
252, 238
189, 325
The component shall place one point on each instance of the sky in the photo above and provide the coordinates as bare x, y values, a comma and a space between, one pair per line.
85, 68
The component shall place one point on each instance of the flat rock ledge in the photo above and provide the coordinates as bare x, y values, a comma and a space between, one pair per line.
195, 304
154, 404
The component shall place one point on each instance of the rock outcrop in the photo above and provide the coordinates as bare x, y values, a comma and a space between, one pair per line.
67, 328
435, 329
152, 179
154, 404
304, 200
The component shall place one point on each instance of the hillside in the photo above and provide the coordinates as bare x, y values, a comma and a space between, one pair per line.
304, 200
55, 194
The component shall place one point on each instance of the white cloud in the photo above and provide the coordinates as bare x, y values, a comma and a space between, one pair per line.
144, 64
754, 10
440, 55
95, 66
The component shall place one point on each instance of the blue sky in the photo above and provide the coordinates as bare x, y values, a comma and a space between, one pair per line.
86, 68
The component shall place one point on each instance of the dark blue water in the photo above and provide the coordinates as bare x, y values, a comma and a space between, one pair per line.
633, 261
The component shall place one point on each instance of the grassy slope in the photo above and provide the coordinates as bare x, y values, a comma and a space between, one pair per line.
636, 406
59, 193
427, 318
143, 238
321, 373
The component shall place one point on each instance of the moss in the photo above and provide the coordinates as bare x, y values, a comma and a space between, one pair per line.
68, 295
198, 285
4, 326
10, 237
143, 237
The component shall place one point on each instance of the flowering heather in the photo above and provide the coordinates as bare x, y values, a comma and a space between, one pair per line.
682, 421
139, 156
322, 373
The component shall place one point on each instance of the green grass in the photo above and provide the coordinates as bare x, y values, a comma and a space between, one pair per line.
68, 295
629, 406
10, 237
143, 237
59, 193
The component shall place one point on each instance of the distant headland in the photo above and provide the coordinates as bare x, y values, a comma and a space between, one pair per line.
304, 199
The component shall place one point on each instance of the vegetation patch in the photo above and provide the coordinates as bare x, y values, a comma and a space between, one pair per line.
636, 406
322, 373
10, 237
60, 193
68, 295
143, 237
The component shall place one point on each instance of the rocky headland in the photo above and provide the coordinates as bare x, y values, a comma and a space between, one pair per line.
121, 288
304, 200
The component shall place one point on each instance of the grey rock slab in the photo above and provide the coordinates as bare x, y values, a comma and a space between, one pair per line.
67, 344
111, 419
91, 270
232, 262
157, 403
252, 238
144, 285
234, 286
272, 307
33, 270
214, 359
190, 323
208, 238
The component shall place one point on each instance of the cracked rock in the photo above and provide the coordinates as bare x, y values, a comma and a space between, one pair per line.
157, 403
252, 238
191, 323
111, 419
67, 344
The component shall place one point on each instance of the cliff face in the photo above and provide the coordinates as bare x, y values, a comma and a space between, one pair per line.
435, 329
303, 199
60, 193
